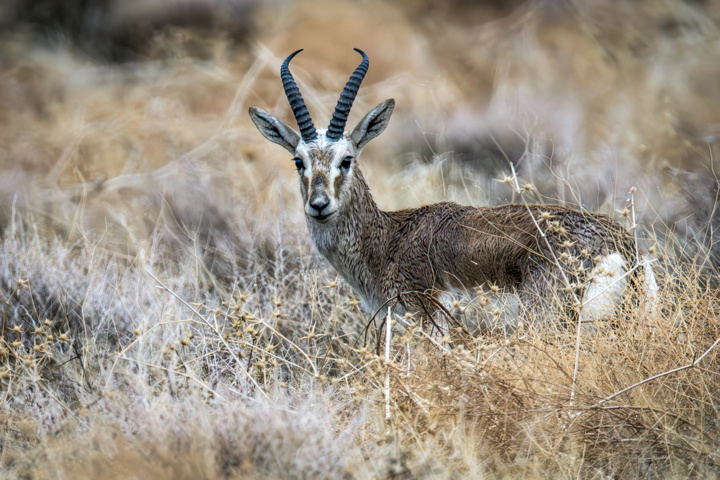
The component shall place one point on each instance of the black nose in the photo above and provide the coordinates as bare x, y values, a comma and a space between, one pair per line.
319, 202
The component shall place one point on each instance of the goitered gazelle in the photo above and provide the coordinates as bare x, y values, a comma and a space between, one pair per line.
415, 255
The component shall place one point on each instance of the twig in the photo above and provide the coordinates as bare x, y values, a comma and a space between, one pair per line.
663, 374
388, 335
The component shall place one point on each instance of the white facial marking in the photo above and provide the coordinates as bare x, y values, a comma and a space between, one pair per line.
322, 159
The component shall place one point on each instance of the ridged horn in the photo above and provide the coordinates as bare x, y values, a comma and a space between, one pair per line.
342, 110
297, 104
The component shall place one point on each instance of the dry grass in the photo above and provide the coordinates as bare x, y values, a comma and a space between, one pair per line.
164, 315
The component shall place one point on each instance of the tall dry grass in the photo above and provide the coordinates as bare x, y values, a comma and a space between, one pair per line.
164, 314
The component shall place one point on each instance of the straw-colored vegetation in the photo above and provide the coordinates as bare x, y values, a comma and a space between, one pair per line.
165, 316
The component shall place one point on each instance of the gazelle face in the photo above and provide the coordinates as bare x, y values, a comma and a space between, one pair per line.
326, 171
325, 159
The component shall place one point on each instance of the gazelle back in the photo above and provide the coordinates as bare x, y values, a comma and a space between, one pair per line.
415, 255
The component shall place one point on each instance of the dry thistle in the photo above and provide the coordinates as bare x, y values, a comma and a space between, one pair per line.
508, 180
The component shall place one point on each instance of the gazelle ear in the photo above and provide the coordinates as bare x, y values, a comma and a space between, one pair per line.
275, 130
373, 124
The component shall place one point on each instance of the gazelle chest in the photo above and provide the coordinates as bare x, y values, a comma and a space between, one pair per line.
345, 253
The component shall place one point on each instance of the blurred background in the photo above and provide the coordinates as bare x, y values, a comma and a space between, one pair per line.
125, 121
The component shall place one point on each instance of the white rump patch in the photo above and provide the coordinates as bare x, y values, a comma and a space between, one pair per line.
605, 287
652, 291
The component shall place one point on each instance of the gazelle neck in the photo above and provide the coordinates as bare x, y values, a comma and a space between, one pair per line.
355, 242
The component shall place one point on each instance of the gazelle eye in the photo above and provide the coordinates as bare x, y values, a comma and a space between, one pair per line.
299, 163
346, 163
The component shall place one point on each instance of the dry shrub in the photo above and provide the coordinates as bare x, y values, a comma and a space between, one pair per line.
516, 392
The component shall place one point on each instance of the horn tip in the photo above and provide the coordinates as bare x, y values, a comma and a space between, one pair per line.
291, 56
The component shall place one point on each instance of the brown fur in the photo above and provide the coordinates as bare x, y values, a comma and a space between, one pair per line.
431, 249
413, 255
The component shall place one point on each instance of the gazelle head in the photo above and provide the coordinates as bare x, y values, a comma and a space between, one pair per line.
325, 159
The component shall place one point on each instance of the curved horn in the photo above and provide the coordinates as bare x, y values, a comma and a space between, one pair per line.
297, 104
342, 110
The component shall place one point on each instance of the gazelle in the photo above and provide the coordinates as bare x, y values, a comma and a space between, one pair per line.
415, 255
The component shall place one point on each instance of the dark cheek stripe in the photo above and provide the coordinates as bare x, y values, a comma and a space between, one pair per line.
338, 183
305, 185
